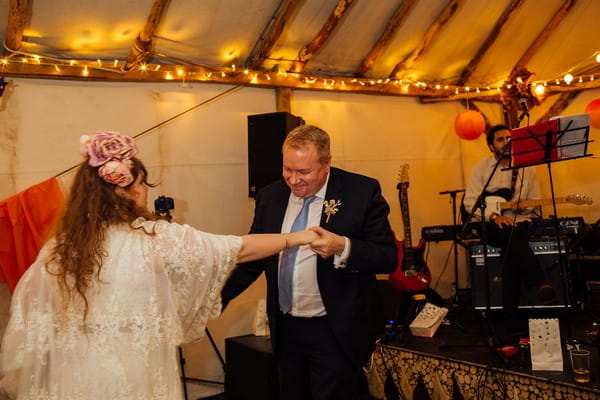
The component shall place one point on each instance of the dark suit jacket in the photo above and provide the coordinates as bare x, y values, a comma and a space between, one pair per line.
349, 294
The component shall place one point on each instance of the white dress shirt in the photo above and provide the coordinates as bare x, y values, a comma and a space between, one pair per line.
306, 297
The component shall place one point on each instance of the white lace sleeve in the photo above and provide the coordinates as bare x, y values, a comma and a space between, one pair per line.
156, 291
197, 264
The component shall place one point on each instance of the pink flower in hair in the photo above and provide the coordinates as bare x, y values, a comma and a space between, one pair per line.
106, 146
117, 172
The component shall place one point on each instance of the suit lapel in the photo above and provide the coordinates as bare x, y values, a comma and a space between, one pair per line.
279, 206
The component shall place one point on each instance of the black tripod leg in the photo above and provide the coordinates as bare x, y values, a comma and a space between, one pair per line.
216, 349
183, 379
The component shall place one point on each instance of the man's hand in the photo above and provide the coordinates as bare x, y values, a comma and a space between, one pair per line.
501, 220
328, 243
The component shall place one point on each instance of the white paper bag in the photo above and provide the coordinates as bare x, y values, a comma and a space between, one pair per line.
546, 351
260, 326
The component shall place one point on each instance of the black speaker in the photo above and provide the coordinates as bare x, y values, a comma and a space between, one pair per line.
548, 257
266, 133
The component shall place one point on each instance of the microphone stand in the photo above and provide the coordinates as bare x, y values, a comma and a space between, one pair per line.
455, 241
492, 340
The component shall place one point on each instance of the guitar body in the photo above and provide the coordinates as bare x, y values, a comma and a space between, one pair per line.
412, 273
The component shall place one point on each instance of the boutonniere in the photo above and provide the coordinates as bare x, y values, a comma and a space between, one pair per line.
331, 208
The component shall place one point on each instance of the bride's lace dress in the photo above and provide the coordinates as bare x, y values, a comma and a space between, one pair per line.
156, 292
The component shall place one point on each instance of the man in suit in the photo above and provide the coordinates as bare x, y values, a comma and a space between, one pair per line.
324, 331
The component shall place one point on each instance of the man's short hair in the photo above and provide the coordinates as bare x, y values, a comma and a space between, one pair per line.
306, 134
490, 135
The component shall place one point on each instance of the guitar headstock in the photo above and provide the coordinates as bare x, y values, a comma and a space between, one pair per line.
578, 199
403, 176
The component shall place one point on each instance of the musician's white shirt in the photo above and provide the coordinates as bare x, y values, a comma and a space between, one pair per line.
527, 187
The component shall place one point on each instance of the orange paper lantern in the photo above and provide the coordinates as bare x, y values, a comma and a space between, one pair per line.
469, 125
593, 108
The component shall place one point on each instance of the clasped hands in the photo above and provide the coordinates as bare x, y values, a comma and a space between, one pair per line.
323, 242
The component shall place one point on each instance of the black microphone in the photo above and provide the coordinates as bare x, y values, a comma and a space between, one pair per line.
523, 104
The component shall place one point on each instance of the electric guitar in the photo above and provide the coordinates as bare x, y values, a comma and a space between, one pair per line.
499, 203
412, 273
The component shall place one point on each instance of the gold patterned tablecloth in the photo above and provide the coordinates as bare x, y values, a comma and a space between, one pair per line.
476, 381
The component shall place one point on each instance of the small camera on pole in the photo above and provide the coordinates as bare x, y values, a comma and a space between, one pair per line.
163, 206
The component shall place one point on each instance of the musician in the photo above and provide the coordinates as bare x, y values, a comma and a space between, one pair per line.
509, 230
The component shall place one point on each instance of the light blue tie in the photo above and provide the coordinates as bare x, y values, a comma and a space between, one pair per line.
288, 260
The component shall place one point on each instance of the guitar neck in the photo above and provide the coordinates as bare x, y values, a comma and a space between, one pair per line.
403, 195
531, 203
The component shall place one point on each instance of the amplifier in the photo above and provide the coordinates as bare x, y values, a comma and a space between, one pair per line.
566, 226
547, 253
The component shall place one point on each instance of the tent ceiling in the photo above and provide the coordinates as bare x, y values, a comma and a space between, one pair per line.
437, 50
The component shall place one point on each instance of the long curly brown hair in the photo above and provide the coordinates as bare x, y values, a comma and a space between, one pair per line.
92, 206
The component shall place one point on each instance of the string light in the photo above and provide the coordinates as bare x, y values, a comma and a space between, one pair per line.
540, 89
87, 68
568, 79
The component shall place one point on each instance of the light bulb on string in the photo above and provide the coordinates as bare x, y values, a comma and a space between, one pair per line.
539, 90
568, 79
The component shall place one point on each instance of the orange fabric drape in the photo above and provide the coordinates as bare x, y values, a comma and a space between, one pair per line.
25, 220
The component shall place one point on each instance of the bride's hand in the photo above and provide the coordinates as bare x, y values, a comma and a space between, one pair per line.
300, 238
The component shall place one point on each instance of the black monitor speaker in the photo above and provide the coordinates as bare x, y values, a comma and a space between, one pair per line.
266, 133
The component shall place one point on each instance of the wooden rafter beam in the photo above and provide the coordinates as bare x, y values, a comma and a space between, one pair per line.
489, 41
271, 34
142, 47
432, 32
308, 51
90, 71
485, 96
386, 37
194, 73
17, 19
563, 100
556, 19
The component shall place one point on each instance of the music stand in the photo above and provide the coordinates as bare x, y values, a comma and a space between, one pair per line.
559, 139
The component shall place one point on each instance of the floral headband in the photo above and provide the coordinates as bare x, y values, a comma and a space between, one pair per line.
112, 152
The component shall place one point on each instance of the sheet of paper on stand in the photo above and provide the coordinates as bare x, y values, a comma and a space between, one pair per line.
428, 320
574, 135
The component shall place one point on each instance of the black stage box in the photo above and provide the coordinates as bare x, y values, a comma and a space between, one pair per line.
266, 133
547, 253
250, 372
